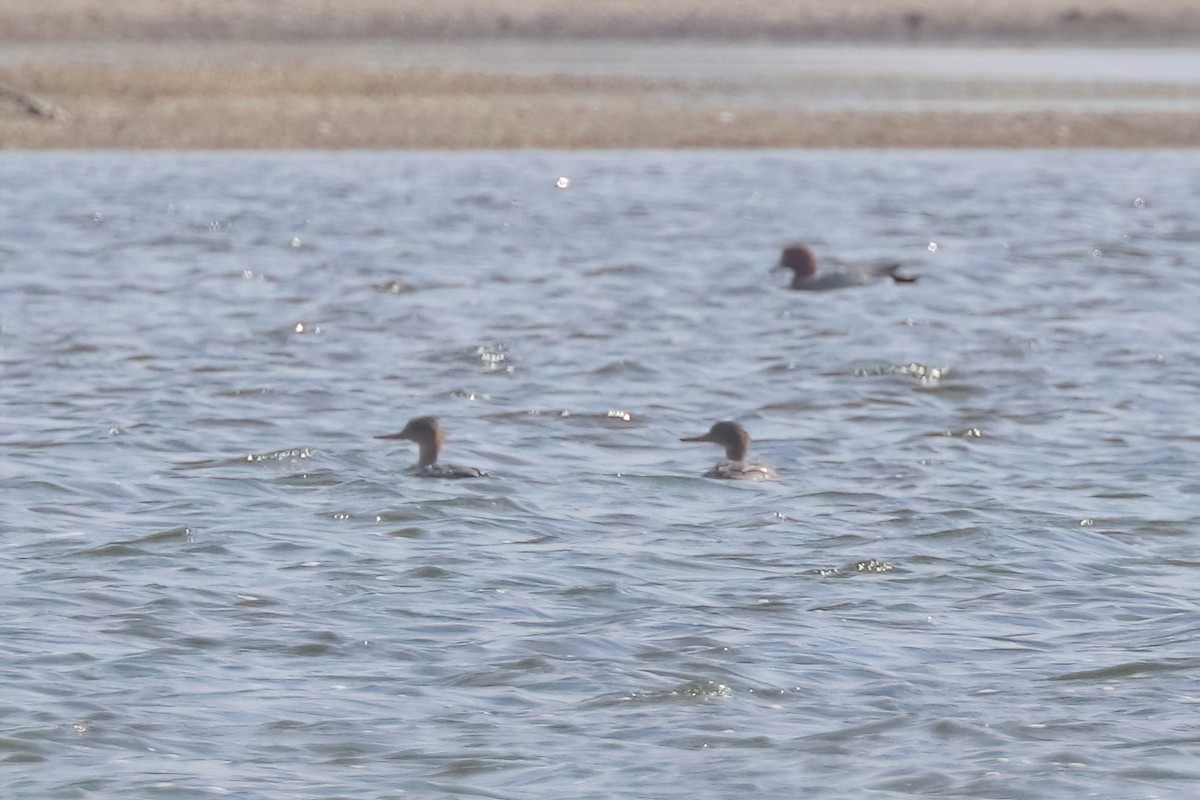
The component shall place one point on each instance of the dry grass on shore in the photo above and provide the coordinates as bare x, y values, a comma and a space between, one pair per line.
810, 20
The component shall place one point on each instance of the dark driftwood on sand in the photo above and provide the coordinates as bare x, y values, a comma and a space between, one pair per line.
35, 105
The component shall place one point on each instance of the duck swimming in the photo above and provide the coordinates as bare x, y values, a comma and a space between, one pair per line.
428, 434
736, 441
800, 260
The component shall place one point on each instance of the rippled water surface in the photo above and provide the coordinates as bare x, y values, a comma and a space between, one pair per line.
978, 574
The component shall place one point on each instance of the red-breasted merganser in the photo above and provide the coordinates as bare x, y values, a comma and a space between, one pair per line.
803, 264
429, 436
736, 441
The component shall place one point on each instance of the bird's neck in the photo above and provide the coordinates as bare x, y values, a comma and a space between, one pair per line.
428, 453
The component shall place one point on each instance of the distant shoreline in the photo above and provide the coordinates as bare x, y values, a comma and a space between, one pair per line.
801, 21
223, 74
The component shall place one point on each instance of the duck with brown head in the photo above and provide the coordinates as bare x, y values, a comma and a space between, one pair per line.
736, 441
800, 260
428, 434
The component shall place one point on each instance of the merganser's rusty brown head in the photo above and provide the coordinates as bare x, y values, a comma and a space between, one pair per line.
428, 435
799, 259
730, 435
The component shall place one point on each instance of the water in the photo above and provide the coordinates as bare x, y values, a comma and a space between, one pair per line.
976, 577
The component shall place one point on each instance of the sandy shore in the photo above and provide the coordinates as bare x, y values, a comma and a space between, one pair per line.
535, 73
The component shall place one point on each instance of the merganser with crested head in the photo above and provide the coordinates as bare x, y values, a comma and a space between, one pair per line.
736, 441
800, 260
428, 434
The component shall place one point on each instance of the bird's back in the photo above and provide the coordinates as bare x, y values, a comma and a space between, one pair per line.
741, 471
449, 471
